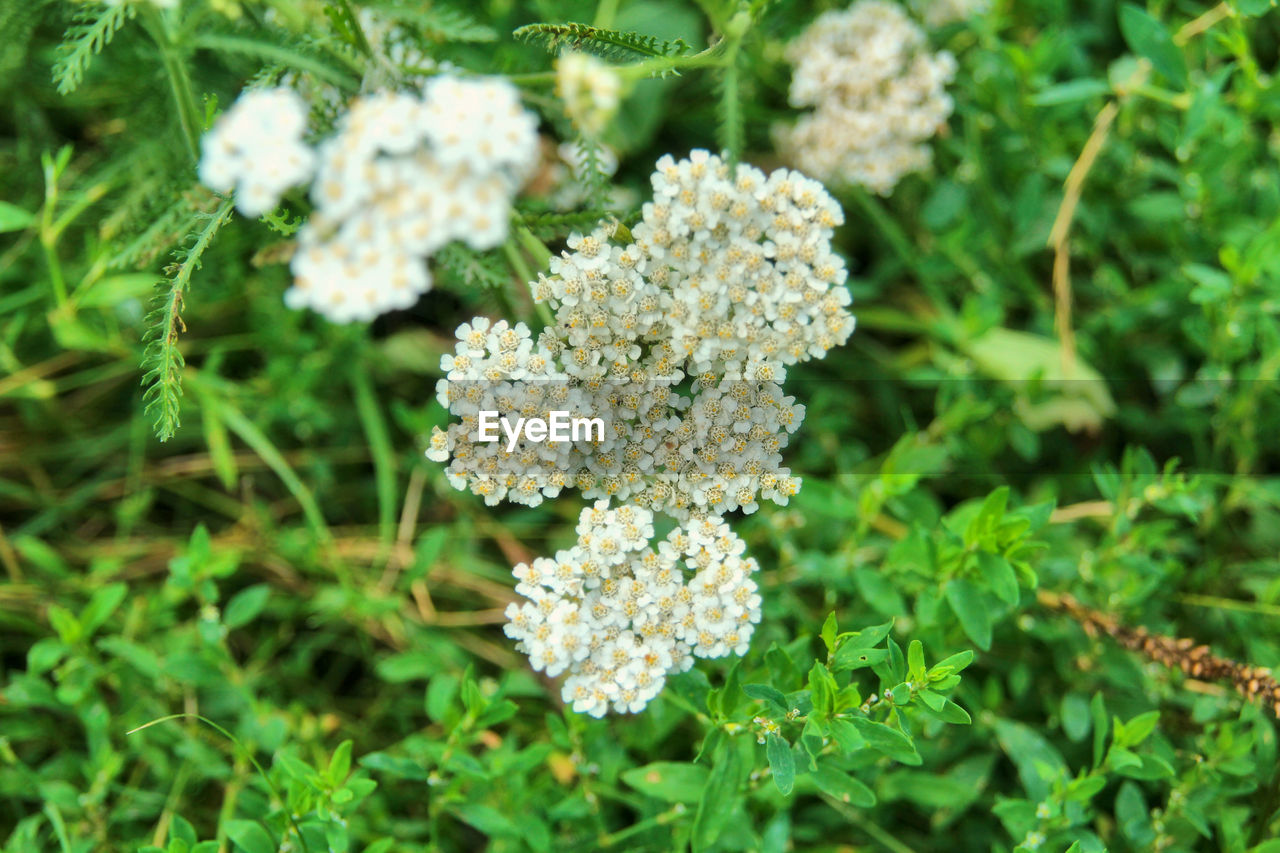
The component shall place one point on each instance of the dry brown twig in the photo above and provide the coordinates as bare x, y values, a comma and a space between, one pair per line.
1254, 683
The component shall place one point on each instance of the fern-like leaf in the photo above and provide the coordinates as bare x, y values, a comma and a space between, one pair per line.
286, 52
591, 171
165, 227
553, 226
278, 220
469, 267
94, 28
162, 360
607, 44
439, 24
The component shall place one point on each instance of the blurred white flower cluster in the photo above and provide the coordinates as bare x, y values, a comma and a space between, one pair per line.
878, 95
619, 615
591, 91
256, 148
403, 175
729, 278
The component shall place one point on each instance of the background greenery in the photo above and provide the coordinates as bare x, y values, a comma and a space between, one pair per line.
289, 568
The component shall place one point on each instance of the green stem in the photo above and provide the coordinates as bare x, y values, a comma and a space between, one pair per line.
535, 247
525, 274
380, 448
605, 14
49, 232
659, 65
275, 792
885, 224
362, 42
660, 819
1216, 602
179, 80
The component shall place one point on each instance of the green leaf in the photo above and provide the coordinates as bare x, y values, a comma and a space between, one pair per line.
404, 768
94, 29
879, 592
843, 787
162, 359
442, 689
887, 740
1071, 92
1079, 400
339, 764
439, 22
498, 712
487, 819
854, 649
1075, 716
1000, 575
1136, 730
782, 762
846, 736
1149, 38
1253, 8
65, 623
249, 836
605, 43
954, 714
951, 665
1098, 713
14, 218
670, 781
770, 695
829, 629
719, 798
975, 617
408, 666
245, 605
299, 57
44, 655
822, 689
101, 605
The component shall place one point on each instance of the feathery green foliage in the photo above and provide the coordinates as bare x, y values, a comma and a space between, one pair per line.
473, 268
605, 43
553, 226
95, 27
439, 23
162, 361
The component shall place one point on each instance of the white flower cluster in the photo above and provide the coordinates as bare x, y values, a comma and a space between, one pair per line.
730, 275
878, 96
619, 616
729, 278
403, 175
256, 148
591, 90
675, 335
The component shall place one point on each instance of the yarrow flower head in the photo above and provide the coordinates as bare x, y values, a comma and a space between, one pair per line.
618, 615
729, 278
256, 148
676, 336
403, 175
878, 96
